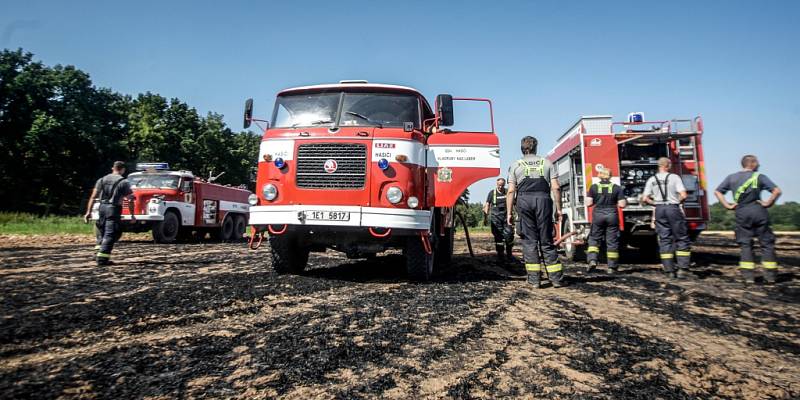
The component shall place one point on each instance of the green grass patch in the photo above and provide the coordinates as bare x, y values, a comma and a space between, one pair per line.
31, 224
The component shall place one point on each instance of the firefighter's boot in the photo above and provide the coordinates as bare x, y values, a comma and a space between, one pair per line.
592, 265
534, 279
770, 275
749, 276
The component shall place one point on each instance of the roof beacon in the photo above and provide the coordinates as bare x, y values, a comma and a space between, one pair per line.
636, 118
157, 166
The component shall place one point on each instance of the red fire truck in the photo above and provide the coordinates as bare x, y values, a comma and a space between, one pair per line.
176, 204
630, 150
362, 168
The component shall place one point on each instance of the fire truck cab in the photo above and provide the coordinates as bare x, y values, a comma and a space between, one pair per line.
176, 204
362, 168
630, 149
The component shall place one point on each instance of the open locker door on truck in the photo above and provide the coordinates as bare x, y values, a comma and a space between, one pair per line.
464, 150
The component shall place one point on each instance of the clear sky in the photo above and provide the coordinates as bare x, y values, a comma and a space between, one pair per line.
737, 64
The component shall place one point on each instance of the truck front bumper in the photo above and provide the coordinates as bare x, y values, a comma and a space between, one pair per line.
126, 217
375, 217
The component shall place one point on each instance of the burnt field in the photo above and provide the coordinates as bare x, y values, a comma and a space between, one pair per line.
212, 320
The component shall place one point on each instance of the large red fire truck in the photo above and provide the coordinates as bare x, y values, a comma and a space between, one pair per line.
362, 168
630, 149
176, 204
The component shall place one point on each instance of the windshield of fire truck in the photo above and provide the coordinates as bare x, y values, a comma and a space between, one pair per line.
357, 109
154, 181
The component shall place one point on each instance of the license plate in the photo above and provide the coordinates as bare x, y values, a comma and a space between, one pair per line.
328, 215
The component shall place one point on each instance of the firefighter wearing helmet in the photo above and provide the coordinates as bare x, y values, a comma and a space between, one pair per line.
604, 197
666, 192
531, 182
110, 190
752, 219
503, 232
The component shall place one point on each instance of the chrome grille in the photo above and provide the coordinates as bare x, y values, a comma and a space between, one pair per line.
351, 169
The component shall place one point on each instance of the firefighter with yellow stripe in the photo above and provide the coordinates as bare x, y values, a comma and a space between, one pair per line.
752, 219
495, 209
604, 197
531, 181
666, 192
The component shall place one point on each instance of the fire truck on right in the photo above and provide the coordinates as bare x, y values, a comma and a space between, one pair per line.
630, 149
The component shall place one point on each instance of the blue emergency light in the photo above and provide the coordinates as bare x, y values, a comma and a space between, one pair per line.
158, 166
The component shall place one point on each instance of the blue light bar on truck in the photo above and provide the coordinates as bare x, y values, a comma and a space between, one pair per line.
158, 166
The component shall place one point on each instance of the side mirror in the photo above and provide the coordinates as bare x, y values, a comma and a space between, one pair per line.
248, 113
444, 109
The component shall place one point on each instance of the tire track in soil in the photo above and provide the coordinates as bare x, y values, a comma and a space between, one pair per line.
211, 320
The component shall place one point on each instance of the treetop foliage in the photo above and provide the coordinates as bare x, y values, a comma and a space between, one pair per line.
59, 133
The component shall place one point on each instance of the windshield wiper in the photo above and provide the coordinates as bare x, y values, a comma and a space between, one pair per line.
317, 122
355, 114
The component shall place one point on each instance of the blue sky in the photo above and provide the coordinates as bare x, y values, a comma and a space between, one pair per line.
542, 63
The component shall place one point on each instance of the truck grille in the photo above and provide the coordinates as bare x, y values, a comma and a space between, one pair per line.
351, 171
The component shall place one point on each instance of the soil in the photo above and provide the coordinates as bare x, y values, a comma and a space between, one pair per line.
213, 320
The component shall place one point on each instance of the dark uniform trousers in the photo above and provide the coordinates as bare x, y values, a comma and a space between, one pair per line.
605, 223
535, 210
673, 237
108, 230
503, 233
752, 221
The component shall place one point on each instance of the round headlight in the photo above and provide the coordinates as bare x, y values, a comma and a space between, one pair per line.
383, 163
394, 195
269, 191
252, 199
413, 202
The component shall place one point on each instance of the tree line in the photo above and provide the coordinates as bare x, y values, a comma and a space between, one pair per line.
59, 133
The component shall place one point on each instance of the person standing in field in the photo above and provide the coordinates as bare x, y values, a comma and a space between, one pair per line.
503, 232
532, 181
752, 219
604, 197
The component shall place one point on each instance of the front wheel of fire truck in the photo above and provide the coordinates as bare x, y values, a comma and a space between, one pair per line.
166, 231
288, 257
419, 259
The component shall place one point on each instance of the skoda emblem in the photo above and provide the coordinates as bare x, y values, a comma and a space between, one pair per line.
330, 166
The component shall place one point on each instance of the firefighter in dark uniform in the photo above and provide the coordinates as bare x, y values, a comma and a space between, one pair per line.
752, 219
604, 197
531, 181
495, 209
110, 190
666, 192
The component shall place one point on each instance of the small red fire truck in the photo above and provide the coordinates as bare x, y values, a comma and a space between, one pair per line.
361, 168
630, 150
176, 204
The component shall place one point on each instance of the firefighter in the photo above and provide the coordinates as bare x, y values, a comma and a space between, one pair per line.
752, 219
665, 190
531, 180
605, 196
495, 209
111, 190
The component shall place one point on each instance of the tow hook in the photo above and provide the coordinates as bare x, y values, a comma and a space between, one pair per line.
378, 234
426, 242
256, 233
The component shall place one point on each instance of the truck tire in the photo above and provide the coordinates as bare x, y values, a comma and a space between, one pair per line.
227, 228
239, 227
419, 264
287, 256
572, 252
166, 231
444, 249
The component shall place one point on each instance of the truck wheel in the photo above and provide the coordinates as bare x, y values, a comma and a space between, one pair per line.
240, 227
166, 231
419, 264
287, 256
227, 228
572, 252
444, 249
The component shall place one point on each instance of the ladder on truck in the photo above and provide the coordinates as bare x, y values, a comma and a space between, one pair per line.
687, 152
